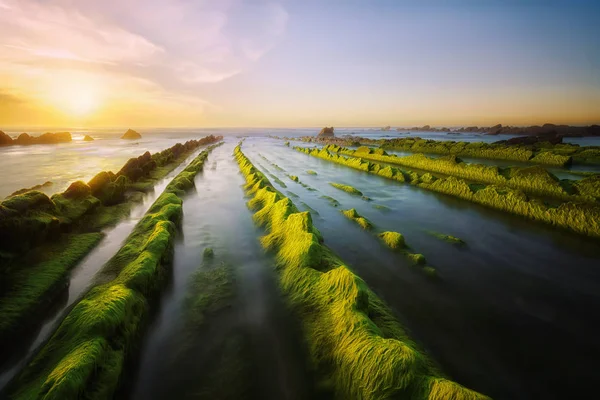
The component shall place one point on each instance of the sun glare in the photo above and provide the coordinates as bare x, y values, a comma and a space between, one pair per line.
76, 98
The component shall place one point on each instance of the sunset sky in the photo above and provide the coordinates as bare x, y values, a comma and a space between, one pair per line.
229, 63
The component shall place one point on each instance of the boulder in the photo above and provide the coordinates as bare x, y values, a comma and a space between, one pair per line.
24, 139
131, 135
88, 138
326, 132
77, 190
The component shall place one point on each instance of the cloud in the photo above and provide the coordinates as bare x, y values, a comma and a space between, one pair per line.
172, 44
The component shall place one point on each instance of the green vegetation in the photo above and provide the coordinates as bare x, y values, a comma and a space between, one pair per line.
356, 346
311, 172
534, 180
294, 178
393, 240
354, 216
417, 259
577, 217
448, 238
29, 289
331, 200
43, 238
208, 253
212, 291
346, 188
497, 151
381, 207
89, 349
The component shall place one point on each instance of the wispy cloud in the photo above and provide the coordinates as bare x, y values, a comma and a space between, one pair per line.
171, 44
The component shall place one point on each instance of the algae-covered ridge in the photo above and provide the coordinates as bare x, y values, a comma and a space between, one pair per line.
87, 354
534, 180
583, 218
346, 188
42, 238
357, 348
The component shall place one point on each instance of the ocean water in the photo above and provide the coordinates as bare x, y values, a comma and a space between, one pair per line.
62, 164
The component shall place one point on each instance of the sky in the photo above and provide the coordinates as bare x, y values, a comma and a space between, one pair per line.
253, 63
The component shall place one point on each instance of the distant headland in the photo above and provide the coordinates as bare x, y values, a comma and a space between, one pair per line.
499, 129
25, 139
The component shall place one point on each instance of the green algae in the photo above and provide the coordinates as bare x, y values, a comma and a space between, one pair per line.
292, 194
87, 352
357, 348
393, 240
331, 200
417, 259
499, 151
346, 188
309, 208
448, 238
583, 218
208, 253
311, 172
381, 207
535, 180
294, 178
47, 271
360, 220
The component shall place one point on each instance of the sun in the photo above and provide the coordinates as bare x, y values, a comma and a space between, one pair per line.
79, 99
74, 95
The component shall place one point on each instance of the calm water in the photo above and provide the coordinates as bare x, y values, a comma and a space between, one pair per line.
516, 313
61, 164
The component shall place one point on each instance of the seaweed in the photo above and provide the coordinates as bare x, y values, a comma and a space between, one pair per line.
87, 352
346, 188
448, 238
360, 220
358, 349
583, 218
534, 180
393, 240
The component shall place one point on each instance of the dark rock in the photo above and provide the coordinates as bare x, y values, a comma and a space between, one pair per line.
326, 132
5, 140
131, 134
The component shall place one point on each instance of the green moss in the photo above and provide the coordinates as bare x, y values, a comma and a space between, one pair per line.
448, 238
36, 278
86, 353
208, 253
356, 346
381, 207
354, 216
346, 188
417, 259
578, 217
393, 240
211, 291
331, 200
294, 178
534, 180
430, 272
311, 172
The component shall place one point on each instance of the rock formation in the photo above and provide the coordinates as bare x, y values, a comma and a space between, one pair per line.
326, 132
131, 134
25, 139
88, 138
